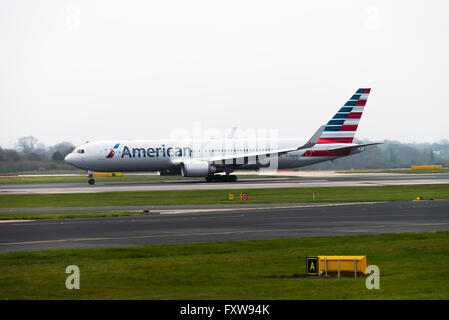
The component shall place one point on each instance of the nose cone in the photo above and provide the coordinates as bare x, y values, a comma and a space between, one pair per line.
74, 160
69, 159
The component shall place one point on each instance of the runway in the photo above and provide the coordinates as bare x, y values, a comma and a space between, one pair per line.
242, 183
220, 223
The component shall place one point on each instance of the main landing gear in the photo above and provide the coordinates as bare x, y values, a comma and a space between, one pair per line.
221, 178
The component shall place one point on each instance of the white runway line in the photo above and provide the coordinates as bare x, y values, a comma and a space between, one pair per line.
312, 205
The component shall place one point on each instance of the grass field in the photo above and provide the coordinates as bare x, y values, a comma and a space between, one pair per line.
405, 171
185, 197
412, 266
68, 215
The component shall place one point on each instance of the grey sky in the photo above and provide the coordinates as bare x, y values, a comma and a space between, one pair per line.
89, 70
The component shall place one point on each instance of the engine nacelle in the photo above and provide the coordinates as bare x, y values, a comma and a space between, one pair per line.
196, 168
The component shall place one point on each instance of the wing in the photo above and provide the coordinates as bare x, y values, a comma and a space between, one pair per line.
240, 158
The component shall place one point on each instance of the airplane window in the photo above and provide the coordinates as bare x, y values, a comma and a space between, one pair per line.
80, 151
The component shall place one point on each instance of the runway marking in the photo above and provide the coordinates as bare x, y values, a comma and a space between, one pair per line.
267, 208
14, 221
117, 220
205, 210
216, 233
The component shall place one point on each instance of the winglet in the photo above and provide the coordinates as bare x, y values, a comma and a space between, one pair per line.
314, 139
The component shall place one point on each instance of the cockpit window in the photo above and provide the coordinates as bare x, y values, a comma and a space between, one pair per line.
80, 151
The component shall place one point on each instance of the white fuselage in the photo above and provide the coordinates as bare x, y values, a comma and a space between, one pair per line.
195, 158
159, 155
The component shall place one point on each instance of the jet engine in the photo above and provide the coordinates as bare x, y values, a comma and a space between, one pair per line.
196, 168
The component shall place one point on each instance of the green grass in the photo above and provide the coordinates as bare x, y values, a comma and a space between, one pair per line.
48, 171
67, 215
412, 266
185, 197
406, 171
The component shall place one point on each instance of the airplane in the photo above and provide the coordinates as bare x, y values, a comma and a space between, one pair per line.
207, 157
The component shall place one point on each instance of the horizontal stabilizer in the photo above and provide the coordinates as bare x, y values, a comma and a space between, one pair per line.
355, 146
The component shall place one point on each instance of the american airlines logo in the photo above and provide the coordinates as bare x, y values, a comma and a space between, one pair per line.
112, 152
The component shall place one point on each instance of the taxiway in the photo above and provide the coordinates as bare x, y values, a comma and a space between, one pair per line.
221, 223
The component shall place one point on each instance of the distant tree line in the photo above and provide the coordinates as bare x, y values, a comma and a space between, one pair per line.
30, 155
390, 155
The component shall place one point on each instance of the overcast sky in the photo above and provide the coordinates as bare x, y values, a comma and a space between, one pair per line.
90, 70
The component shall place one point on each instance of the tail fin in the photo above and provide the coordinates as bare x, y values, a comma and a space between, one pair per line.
342, 127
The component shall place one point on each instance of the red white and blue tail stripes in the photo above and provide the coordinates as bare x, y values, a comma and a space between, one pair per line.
341, 128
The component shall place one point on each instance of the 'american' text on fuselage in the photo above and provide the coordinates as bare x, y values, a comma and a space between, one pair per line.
157, 152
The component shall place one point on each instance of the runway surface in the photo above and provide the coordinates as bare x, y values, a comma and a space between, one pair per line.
219, 223
242, 183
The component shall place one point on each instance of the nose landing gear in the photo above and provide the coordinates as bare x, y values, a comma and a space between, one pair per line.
91, 179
